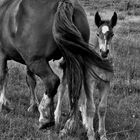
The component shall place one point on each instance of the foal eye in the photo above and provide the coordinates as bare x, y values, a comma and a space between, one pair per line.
97, 34
112, 35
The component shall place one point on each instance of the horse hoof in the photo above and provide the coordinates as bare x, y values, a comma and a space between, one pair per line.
46, 125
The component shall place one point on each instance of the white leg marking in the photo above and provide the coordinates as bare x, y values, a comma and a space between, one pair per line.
3, 100
90, 132
83, 113
42, 108
82, 106
61, 92
2, 96
33, 101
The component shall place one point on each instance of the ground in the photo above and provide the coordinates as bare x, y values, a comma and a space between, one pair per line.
123, 112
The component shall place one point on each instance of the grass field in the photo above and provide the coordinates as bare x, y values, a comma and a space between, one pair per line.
123, 114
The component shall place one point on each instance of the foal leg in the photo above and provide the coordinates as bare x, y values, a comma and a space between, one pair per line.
104, 90
4, 102
82, 106
31, 82
90, 108
61, 91
51, 82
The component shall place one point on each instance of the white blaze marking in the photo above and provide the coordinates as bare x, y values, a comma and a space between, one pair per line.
105, 29
103, 47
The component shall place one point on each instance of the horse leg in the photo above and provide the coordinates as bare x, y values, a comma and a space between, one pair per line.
51, 82
72, 123
31, 82
61, 91
104, 90
4, 102
82, 106
88, 107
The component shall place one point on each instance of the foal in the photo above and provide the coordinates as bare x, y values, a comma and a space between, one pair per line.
86, 104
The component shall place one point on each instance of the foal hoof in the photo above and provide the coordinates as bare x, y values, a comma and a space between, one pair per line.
33, 108
45, 125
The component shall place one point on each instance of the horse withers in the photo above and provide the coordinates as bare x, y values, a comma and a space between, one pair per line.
104, 38
33, 32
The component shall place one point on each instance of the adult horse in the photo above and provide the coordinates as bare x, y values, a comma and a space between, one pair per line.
104, 37
34, 32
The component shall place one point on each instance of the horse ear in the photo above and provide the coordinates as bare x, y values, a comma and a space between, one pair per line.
97, 19
113, 21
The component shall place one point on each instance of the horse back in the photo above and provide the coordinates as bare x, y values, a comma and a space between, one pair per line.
81, 22
26, 28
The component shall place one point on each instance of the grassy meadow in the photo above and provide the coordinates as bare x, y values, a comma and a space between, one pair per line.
123, 112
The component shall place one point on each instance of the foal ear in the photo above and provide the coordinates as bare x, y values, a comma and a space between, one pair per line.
113, 21
97, 19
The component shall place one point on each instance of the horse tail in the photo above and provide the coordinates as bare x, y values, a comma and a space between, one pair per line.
75, 50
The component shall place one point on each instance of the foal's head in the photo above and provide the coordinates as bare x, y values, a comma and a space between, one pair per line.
105, 33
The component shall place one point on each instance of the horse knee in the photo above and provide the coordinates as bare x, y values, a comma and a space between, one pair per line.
102, 110
52, 84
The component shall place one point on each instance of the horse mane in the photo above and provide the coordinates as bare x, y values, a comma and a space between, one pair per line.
75, 50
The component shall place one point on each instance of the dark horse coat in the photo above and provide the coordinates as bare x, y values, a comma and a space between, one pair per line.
33, 32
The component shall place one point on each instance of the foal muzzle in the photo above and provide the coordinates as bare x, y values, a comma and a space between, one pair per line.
104, 54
